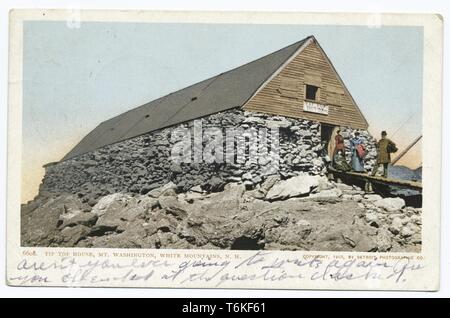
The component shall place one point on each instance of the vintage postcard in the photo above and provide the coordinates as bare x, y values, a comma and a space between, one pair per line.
224, 150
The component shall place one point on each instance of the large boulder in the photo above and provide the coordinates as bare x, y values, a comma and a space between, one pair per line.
293, 187
110, 201
118, 215
40, 226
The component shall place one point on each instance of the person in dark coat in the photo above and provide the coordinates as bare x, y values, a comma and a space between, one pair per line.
384, 154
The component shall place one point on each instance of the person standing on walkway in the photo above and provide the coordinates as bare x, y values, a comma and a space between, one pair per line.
339, 144
384, 148
358, 151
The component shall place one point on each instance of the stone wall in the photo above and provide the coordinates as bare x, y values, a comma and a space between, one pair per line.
143, 163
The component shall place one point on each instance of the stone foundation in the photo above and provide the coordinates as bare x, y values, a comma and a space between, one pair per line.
144, 163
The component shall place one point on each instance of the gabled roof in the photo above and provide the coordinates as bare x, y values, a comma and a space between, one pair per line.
222, 92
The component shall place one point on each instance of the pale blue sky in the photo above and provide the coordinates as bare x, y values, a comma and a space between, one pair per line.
76, 78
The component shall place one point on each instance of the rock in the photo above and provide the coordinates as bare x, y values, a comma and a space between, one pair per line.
84, 218
168, 188
105, 202
282, 124
226, 200
215, 184
396, 226
197, 189
293, 187
71, 207
247, 176
416, 219
176, 168
269, 182
366, 244
173, 207
372, 219
324, 184
168, 193
405, 219
406, 231
343, 186
122, 240
120, 214
150, 228
372, 197
231, 179
327, 194
165, 225
291, 236
256, 180
146, 188
190, 197
414, 227
70, 236
390, 204
253, 194
317, 162
40, 226
254, 120
416, 238
248, 184
347, 197
383, 240
92, 201
350, 239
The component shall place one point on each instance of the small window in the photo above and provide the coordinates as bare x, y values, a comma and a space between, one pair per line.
312, 92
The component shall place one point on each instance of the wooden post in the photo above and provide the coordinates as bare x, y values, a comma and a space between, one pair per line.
368, 186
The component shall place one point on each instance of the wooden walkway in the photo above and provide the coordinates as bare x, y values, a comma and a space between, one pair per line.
413, 185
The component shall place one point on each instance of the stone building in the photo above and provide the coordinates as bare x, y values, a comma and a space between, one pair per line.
295, 89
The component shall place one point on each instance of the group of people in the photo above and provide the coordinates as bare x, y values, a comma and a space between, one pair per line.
358, 151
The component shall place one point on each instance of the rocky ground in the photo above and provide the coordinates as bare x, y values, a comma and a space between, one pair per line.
301, 213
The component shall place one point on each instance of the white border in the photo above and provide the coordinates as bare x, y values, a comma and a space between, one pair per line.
261, 293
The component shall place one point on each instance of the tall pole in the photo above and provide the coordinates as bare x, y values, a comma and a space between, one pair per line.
406, 150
